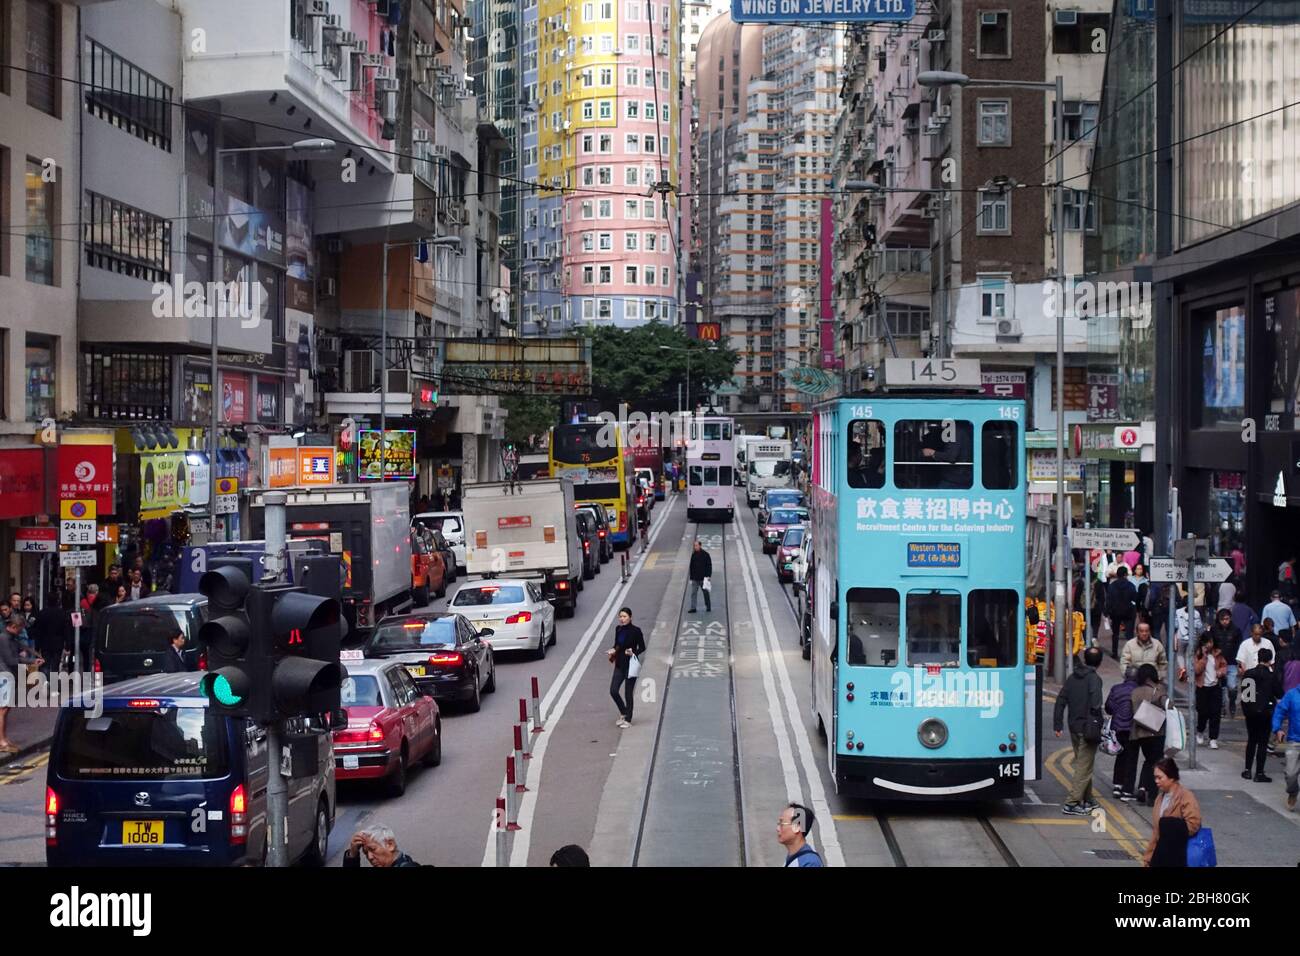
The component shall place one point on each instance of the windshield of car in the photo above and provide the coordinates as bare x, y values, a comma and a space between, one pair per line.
777, 499
485, 596
787, 516
361, 691
414, 635
143, 629
769, 468
793, 538
448, 524
166, 743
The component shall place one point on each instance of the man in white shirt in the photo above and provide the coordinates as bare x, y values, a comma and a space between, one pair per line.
1279, 612
1248, 652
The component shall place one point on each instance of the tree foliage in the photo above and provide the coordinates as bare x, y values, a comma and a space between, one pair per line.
628, 366
528, 418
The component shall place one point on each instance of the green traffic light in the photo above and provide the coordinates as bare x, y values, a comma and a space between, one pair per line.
217, 687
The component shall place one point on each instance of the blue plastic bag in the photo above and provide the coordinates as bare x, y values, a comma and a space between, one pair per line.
1200, 848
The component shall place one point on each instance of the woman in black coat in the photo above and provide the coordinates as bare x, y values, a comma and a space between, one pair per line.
628, 643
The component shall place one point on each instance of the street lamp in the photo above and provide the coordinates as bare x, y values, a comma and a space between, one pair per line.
383, 339
310, 146
688, 351
933, 79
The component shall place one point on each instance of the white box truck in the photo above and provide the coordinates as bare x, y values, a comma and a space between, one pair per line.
526, 528
767, 465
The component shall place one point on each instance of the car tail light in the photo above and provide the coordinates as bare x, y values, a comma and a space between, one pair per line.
586, 546
561, 585
453, 658
238, 815
601, 532
144, 703
51, 817
99, 668
374, 733
523, 617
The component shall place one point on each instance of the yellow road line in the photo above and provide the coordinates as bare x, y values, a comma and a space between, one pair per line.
27, 771
1043, 821
1112, 812
650, 561
852, 816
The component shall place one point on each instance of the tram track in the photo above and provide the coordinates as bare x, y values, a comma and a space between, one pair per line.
886, 820
688, 769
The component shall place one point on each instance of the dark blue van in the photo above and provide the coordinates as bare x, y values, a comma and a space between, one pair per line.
157, 779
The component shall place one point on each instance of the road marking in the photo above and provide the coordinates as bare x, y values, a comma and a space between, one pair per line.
1043, 822
852, 816
762, 627
553, 705
22, 772
1111, 812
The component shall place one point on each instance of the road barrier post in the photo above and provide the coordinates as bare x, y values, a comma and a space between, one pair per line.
537, 708
518, 758
526, 745
502, 858
512, 798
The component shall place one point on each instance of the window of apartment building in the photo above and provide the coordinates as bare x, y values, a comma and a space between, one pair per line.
651, 242
632, 43
651, 275
631, 209
606, 109
1080, 211
40, 377
43, 68
1076, 389
631, 143
40, 225
632, 76
633, 108
588, 12
117, 385
607, 43
588, 309
606, 242
1080, 119
995, 122
648, 208
588, 110
631, 176
1074, 31
663, 145
606, 275
650, 309
650, 109
588, 242
995, 212
606, 143
633, 10
630, 275
588, 209
630, 243
607, 11
588, 143
126, 240
127, 97
605, 175
588, 274
994, 34
995, 297
605, 209
605, 309
648, 143
606, 76
588, 46
632, 309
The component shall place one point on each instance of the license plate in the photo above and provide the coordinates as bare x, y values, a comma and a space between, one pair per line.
351, 763
415, 670
494, 624
142, 832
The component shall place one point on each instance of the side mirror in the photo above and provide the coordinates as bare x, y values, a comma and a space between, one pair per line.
486, 632
338, 719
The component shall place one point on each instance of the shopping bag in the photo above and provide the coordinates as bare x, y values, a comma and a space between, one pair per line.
633, 667
1200, 848
1150, 716
1175, 730
1110, 744
707, 584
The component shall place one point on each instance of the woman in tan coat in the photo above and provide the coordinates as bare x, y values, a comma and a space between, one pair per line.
1176, 819
1150, 742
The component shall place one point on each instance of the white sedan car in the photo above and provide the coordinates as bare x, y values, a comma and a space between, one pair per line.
516, 610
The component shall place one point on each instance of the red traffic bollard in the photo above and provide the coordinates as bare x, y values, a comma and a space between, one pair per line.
537, 708
512, 801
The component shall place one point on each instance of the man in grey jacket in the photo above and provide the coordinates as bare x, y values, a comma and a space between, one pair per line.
13, 655
1081, 695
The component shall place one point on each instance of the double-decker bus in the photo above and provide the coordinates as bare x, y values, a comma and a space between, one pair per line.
595, 455
918, 671
710, 470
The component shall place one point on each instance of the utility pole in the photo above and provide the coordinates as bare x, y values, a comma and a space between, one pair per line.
277, 786
519, 164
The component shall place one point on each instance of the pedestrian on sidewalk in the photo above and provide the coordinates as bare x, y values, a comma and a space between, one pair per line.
1119, 704
52, 631
1227, 638
1121, 608
379, 844
1279, 612
571, 855
1260, 690
1248, 652
1081, 696
1288, 712
628, 643
1176, 820
700, 572
1211, 673
792, 829
1288, 665
1144, 649
13, 674
1150, 740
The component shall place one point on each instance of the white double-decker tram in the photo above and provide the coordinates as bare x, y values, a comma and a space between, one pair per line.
710, 470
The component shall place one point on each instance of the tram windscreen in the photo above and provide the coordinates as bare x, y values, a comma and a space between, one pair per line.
933, 454
934, 628
872, 627
993, 625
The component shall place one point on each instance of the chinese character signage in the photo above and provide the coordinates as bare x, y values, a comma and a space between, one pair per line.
1103, 396
1002, 384
399, 459
316, 465
936, 515
560, 366
86, 471
22, 482
933, 554
164, 484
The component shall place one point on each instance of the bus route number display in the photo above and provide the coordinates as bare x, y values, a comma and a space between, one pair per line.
933, 554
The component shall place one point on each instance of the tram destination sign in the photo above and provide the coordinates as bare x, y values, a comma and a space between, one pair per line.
1114, 539
822, 11
1168, 571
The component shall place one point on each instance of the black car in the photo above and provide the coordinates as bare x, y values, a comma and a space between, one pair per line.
134, 639
442, 652
598, 514
590, 538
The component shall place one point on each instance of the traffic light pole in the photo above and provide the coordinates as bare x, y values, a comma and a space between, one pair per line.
277, 786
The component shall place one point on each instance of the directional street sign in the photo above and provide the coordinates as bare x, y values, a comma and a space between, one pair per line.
1115, 539
1167, 570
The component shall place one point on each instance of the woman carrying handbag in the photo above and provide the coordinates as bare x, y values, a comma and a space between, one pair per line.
625, 655
1149, 701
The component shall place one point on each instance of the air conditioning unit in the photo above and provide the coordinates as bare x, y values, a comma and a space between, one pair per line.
347, 38
358, 370
424, 50
318, 8
936, 36
456, 213
399, 380
419, 134
988, 19
372, 61
440, 151
327, 349
385, 84
1066, 18
326, 288
1009, 328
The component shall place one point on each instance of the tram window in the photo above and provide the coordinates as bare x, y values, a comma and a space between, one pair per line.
933, 454
866, 468
998, 451
724, 475
934, 628
873, 627
993, 628
704, 475
713, 431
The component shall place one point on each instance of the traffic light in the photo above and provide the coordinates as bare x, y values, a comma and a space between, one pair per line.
302, 635
236, 681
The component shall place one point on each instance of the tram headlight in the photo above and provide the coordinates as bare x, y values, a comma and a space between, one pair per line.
933, 733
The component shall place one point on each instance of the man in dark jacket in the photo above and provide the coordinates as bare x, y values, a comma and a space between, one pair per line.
1121, 608
379, 844
1119, 704
52, 632
701, 571
1260, 691
1081, 695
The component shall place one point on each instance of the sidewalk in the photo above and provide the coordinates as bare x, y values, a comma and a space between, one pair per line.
30, 728
1251, 824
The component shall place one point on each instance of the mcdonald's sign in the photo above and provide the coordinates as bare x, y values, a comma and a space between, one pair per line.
708, 331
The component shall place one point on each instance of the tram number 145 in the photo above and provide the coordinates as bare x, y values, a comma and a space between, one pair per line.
1008, 770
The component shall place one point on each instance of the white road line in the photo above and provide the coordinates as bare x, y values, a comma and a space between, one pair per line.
553, 706
817, 793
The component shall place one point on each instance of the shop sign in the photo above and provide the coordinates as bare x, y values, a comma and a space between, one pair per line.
399, 458
282, 467
36, 540
1042, 466
234, 397
22, 482
268, 401
527, 366
1103, 396
1098, 441
1003, 384
316, 466
164, 484
86, 471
